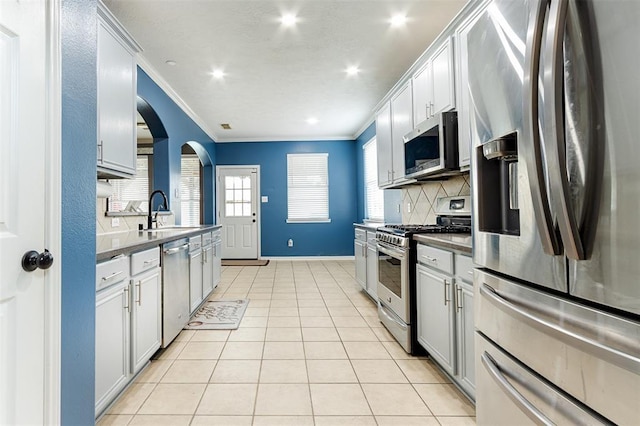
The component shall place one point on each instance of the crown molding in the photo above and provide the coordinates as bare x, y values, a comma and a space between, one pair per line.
166, 87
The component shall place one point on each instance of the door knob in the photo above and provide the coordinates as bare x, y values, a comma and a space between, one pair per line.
33, 260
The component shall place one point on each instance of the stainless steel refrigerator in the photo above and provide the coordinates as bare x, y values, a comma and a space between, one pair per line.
554, 90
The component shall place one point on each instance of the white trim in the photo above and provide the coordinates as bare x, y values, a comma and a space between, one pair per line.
166, 87
365, 126
52, 216
307, 258
308, 220
288, 139
258, 199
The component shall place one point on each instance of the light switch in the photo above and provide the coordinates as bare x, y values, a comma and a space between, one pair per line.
115, 222
264, 199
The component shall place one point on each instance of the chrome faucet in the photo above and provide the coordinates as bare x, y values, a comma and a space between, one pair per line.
164, 205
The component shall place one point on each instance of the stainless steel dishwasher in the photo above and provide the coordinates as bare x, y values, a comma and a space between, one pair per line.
175, 289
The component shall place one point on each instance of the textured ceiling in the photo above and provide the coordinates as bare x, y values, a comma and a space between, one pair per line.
276, 77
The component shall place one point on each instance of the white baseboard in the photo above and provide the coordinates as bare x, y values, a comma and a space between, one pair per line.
307, 258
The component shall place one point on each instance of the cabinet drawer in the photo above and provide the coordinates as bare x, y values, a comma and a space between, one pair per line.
371, 238
145, 260
464, 268
206, 239
112, 272
435, 258
361, 234
195, 243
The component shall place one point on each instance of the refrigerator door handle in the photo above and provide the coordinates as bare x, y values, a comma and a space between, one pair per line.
564, 333
527, 407
533, 150
555, 129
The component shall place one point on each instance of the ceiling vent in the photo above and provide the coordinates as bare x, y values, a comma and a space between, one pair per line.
225, 126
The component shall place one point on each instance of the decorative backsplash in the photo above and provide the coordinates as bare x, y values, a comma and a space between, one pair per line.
125, 223
418, 201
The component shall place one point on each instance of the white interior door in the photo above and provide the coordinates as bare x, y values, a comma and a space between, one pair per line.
238, 211
24, 136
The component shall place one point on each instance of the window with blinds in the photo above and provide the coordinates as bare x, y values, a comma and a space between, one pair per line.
308, 187
132, 194
373, 196
190, 190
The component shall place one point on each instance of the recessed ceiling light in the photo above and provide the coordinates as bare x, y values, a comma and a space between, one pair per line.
312, 120
219, 74
353, 70
398, 20
289, 19
170, 62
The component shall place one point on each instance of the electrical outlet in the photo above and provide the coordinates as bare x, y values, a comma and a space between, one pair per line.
290, 242
115, 222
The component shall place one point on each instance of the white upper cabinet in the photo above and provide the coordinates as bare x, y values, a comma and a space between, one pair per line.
433, 84
116, 151
383, 144
401, 124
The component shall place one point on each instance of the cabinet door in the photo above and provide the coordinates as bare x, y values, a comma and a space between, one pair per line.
436, 312
465, 337
116, 105
217, 263
207, 271
372, 271
383, 145
146, 322
112, 343
195, 280
401, 124
443, 79
422, 94
360, 251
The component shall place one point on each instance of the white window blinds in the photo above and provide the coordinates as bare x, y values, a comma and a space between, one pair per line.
308, 187
374, 198
134, 190
190, 190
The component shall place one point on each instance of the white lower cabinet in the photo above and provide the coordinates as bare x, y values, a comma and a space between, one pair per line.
372, 266
112, 330
112, 343
436, 316
195, 272
217, 257
445, 313
207, 271
128, 320
360, 250
146, 319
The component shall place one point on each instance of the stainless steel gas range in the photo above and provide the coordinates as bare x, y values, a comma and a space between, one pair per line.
397, 267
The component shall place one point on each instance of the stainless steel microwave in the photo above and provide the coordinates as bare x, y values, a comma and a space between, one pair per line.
431, 149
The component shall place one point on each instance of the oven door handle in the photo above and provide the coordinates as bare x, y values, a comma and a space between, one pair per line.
390, 250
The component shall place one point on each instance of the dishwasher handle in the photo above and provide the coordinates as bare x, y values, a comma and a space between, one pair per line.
176, 249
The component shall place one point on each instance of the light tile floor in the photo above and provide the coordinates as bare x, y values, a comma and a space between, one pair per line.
309, 351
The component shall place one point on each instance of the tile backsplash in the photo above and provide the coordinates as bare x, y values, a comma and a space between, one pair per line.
418, 201
104, 224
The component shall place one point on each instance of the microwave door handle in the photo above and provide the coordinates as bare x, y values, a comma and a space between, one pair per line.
532, 151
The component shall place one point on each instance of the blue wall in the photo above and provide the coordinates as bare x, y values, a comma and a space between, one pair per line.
166, 153
310, 239
78, 256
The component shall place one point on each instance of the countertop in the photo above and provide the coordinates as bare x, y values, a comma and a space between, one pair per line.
115, 243
369, 226
459, 242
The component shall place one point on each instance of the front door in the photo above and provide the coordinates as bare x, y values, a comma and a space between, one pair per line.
238, 211
25, 138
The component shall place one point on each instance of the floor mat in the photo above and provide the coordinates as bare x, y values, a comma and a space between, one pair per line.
218, 315
244, 262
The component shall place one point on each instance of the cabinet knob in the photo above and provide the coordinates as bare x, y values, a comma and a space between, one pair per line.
33, 260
